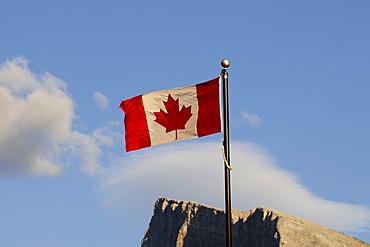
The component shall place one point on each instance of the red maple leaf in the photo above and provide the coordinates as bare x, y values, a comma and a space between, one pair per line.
174, 118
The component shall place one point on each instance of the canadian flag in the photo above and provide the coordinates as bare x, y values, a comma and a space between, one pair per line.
171, 115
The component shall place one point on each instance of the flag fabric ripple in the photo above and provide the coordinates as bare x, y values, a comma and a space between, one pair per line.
171, 115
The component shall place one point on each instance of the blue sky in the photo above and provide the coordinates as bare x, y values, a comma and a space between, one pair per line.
299, 86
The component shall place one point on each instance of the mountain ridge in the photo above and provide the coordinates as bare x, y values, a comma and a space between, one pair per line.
186, 224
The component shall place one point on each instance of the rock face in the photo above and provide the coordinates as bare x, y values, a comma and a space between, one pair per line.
189, 224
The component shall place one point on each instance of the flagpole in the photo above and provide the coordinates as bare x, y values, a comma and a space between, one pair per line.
226, 149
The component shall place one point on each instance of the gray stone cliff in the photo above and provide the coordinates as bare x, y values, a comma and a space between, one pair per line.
188, 224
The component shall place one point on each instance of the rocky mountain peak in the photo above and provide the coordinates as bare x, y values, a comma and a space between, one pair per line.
187, 224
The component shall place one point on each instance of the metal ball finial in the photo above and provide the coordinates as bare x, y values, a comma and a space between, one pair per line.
225, 63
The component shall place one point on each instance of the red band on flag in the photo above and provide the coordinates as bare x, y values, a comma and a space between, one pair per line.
136, 126
209, 118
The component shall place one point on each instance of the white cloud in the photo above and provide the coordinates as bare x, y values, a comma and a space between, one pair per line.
251, 118
101, 100
36, 124
194, 171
